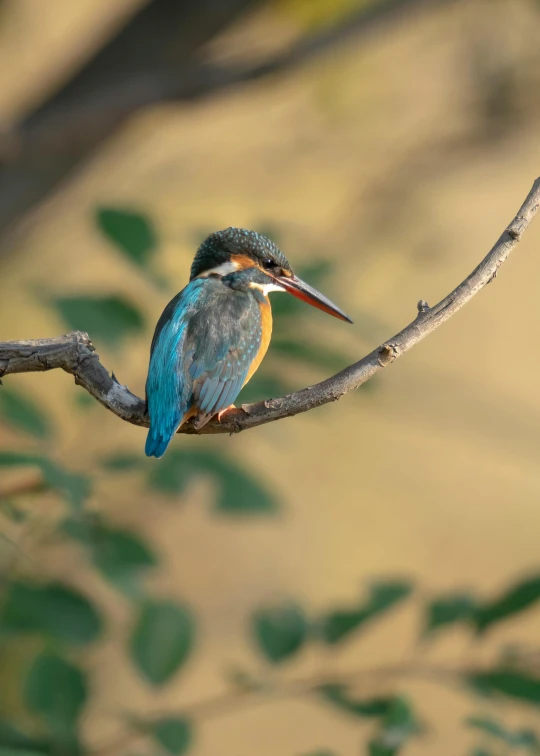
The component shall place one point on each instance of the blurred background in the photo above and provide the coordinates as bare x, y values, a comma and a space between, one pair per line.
361, 579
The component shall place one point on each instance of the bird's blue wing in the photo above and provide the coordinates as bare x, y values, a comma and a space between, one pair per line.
224, 346
217, 384
203, 347
168, 388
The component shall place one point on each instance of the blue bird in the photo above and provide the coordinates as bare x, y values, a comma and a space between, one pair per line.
213, 335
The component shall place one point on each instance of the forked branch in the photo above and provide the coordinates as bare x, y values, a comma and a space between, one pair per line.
75, 354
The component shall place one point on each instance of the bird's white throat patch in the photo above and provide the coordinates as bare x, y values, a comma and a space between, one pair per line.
266, 288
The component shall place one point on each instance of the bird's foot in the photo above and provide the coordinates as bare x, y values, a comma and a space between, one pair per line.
219, 414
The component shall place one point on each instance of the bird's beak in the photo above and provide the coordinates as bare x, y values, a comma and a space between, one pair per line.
301, 290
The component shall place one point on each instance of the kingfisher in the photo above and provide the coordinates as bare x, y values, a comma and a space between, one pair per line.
213, 335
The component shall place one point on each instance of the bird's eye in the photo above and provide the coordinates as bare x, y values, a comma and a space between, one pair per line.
268, 263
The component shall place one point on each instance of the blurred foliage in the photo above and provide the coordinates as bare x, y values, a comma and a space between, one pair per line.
122, 557
23, 413
519, 739
398, 725
237, 490
108, 318
162, 640
370, 707
338, 624
467, 609
57, 691
164, 635
314, 14
173, 734
73, 487
52, 610
280, 631
131, 233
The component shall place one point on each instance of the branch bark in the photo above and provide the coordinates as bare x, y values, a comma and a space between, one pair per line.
75, 354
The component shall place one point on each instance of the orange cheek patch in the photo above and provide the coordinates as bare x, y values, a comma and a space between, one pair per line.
242, 261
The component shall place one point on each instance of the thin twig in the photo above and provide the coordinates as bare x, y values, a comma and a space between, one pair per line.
75, 354
226, 703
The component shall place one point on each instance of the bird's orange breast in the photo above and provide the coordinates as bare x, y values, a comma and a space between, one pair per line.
266, 335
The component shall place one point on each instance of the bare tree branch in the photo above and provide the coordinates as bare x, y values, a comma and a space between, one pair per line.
77, 112
75, 354
136, 70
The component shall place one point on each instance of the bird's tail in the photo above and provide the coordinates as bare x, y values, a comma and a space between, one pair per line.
157, 442
159, 438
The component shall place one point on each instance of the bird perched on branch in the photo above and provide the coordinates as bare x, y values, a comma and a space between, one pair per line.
213, 335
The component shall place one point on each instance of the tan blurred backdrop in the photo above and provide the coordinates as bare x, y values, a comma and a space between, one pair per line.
384, 155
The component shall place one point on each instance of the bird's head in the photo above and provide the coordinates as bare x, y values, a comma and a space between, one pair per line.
264, 265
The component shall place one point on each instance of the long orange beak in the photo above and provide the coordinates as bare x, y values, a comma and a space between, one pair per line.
301, 290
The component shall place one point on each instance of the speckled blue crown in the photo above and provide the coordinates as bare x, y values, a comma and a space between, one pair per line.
219, 246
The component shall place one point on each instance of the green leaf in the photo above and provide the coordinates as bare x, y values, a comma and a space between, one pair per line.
84, 401
450, 610
383, 596
370, 707
13, 742
465, 608
132, 233
109, 318
22, 413
174, 734
397, 727
317, 355
73, 487
509, 683
238, 492
122, 462
515, 738
57, 691
378, 748
280, 631
18, 459
516, 599
172, 474
53, 609
162, 640
262, 387
120, 555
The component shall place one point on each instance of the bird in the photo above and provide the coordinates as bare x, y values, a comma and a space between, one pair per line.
213, 335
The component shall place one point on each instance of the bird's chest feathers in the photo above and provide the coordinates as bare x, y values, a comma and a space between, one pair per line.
266, 335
